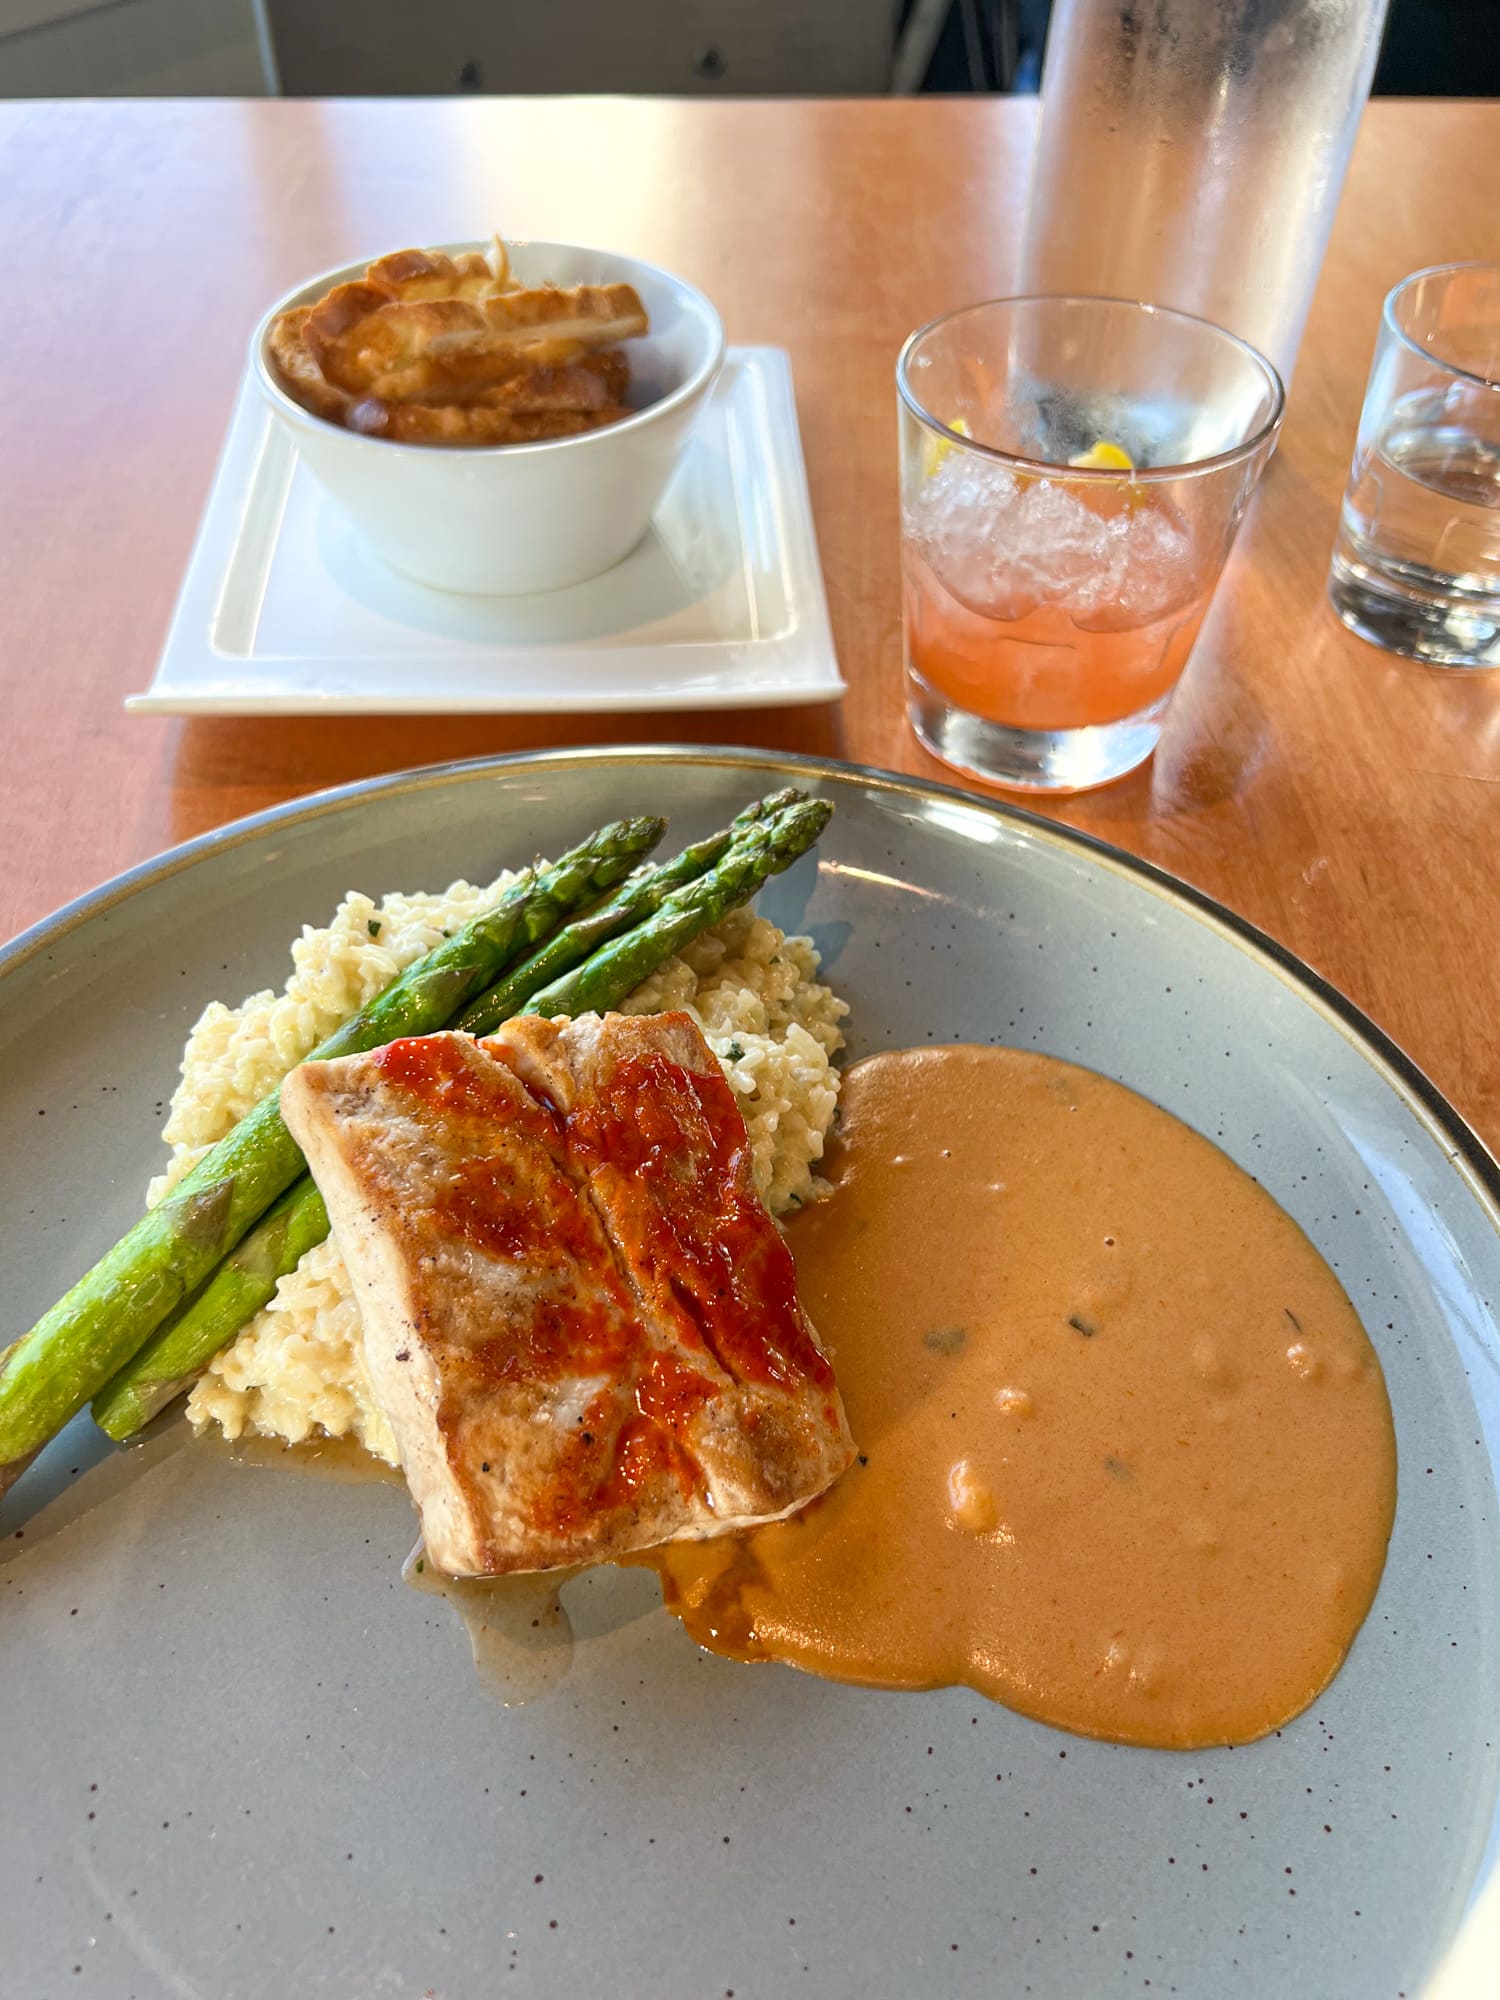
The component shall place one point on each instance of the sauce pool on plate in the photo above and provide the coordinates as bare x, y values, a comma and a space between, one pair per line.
1126, 1455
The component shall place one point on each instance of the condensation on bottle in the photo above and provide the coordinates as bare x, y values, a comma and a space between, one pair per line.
1191, 153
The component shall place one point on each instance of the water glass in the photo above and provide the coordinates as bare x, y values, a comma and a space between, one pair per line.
1416, 567
1073, 471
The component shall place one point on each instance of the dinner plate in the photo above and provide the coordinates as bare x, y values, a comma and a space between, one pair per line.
241, 1758
284, 610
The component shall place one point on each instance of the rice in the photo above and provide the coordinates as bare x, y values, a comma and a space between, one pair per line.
297, 1370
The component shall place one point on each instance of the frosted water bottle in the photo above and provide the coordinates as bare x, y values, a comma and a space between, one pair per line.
1191, 153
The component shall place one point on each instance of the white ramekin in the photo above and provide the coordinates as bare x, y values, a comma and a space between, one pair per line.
504, 519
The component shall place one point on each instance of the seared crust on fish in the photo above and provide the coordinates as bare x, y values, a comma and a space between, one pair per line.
580, 1319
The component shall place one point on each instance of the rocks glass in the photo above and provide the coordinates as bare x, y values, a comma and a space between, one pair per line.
1073, 471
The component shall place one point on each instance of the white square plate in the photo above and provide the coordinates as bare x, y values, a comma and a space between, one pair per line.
284, 611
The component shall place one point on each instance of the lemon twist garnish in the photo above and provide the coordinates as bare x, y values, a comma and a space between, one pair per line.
937, 449
1102, 456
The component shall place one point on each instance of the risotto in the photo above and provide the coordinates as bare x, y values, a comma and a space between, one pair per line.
297, 1370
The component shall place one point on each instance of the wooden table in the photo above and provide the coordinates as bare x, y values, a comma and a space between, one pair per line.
1346, 801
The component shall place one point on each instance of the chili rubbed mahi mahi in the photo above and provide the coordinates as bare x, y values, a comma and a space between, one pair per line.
580, 1319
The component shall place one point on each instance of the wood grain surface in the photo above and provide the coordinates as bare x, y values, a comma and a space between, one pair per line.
1346, 801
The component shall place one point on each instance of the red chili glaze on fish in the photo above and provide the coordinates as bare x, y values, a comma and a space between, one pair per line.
670, 1393
599, 1473
708, 1251
553, 1338
436, 1070
679, 1137
523, 1207
645, 1451
489, 1206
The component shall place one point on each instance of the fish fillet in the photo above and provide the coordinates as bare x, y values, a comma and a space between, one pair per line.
580, 1319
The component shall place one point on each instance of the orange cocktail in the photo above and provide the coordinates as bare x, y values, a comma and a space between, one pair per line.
1042, 668
1072, 474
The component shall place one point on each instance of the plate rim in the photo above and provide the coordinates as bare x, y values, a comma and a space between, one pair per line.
1465, 1150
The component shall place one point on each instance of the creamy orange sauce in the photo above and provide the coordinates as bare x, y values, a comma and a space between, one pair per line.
1127, 1462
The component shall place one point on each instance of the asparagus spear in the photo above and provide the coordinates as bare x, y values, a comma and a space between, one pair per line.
639, 898
245, 1281
751, 859
75, 1348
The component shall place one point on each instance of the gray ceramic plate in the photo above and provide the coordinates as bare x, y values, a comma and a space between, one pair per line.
239, 1758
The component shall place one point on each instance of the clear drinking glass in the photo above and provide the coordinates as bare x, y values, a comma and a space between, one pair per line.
1193, 151
1073, 471
1416, 566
